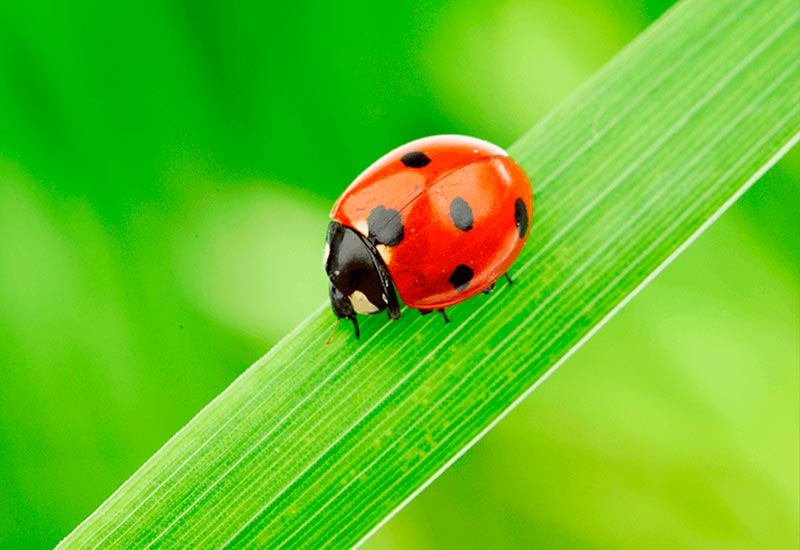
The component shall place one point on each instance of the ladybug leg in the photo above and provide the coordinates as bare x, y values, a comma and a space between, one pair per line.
342, 307
392, 305
488, 289
428, 311
508, 278
355, 326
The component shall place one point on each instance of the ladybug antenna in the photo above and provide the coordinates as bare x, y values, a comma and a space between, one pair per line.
330, 336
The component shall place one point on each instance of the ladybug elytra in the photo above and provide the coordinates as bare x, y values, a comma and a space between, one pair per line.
437, 221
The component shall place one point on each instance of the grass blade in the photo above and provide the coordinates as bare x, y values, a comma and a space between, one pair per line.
314, 446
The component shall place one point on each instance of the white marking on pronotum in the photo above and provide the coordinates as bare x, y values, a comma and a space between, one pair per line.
385, 253
325, 254
361, 226
361, 303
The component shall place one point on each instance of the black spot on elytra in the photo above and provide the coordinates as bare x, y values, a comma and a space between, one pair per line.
461, 277
521, 217
415, 159
461, 214
385, 226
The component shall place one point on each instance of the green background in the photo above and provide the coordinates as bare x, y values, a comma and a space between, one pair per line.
165, 174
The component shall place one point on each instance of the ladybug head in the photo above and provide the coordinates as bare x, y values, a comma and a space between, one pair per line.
359, 280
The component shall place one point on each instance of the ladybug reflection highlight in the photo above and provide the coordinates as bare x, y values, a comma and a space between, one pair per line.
436, 221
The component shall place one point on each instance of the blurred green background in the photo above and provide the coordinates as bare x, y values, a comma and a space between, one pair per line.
165, 174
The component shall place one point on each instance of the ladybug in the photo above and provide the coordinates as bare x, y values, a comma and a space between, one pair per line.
437, 221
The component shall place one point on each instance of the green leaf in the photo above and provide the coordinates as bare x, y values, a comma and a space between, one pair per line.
315, 446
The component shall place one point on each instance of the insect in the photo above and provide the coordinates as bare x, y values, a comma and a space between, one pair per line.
437, 221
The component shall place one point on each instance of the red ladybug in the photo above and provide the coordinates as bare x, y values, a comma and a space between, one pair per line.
439, 219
